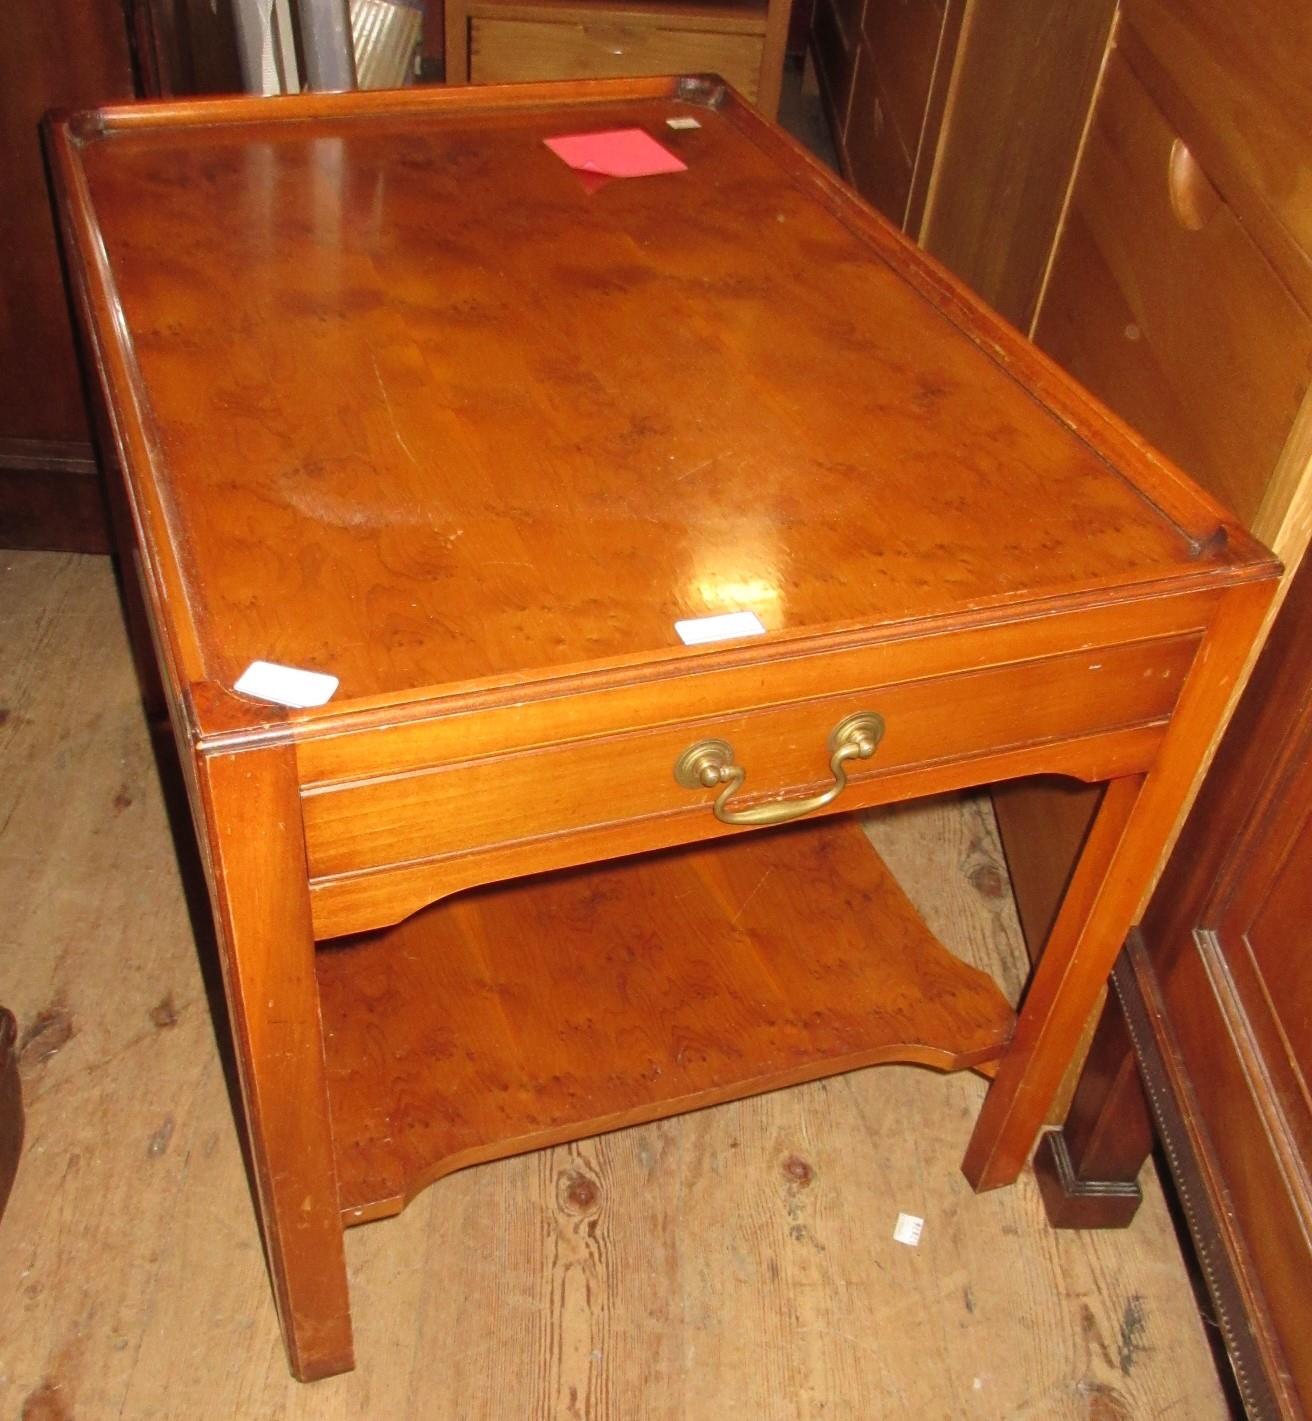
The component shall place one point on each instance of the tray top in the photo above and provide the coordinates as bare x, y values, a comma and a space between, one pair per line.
414, 407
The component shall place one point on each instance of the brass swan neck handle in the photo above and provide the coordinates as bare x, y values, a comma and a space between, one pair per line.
710, 763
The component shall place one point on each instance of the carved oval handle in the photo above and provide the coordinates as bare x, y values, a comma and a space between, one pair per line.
709, 763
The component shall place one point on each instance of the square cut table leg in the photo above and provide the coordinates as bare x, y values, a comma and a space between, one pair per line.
256, 864
1114, 875
1062, 993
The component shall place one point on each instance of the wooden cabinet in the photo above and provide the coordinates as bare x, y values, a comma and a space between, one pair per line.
1162, 304
55, 53
501, 41
1172, 295
977, 111
1217, 990
884, 68
68, 54
525, 42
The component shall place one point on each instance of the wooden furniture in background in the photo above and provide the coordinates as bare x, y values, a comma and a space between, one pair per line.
1162, 303
960, 122
499, 41
1182, 291
1217, 988
884, 72
57, 54
71, 53
1122, 181
11, 1105
185, 47
482, 493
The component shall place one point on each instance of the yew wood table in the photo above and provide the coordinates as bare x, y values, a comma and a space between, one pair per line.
398, 397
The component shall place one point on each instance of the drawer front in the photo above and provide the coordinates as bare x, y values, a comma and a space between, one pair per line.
607, 46
879, 164
1167, 310
1236, 77
449, 816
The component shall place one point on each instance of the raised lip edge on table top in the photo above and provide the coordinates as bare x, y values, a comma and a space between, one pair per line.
1226, 553
221, 719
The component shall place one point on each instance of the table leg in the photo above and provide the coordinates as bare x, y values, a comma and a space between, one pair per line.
1114, 873
1088, 1170
1074, 965
257, 871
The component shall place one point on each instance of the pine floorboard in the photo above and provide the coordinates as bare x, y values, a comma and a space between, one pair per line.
734, 1263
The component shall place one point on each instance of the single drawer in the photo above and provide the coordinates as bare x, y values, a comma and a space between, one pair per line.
439, 825
1236, 77
608, 45
1161, 304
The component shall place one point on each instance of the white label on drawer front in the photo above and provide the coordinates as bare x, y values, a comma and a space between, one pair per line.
285, 685
721, 627
907, 1229
682, 123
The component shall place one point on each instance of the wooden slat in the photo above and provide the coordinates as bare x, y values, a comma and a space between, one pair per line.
1026, 75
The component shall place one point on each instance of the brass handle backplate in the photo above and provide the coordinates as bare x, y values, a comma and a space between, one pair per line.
710, 763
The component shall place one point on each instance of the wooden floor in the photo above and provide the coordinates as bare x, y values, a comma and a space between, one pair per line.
734, 1263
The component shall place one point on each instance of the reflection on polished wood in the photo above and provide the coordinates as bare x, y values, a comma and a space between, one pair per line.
396, 397
412, 418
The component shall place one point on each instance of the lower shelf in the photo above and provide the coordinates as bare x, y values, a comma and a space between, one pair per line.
525, 1014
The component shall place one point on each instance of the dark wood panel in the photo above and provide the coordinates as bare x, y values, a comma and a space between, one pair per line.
880, 167
1042, 823
1272, 935
1216, 987
1237, 982
56, 53
903, 36
835, 57
185, 46
11, 1105
1244, 1329
51, 496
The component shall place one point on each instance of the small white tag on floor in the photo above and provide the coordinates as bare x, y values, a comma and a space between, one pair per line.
907, 1229
285, 685
682, 123
721, 627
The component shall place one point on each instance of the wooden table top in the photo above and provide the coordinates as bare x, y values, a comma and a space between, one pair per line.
407, 403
